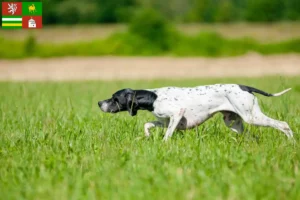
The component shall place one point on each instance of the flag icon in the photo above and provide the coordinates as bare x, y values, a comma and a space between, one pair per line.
26, 15
11, 22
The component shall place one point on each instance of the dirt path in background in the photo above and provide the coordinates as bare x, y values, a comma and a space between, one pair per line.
112, 68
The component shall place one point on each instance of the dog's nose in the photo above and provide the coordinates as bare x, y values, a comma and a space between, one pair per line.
100, 103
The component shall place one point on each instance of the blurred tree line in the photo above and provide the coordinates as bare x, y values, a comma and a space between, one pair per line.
179, 11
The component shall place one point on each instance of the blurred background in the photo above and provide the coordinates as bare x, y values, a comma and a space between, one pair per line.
105, 39
179, 11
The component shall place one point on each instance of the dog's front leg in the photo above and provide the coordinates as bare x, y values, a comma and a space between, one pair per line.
174, 120
150, 125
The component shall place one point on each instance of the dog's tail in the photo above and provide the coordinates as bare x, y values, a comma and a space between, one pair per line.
281, 93
251, 89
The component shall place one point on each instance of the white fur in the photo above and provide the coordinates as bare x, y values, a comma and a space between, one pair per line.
104, 107
184, 108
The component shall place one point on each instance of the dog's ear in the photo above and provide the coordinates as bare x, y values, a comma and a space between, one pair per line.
132, 104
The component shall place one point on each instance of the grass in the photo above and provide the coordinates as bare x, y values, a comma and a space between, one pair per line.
262, 32
124, 44
56, 144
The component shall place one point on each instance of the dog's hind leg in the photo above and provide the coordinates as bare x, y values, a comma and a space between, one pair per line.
259, 119
255, 116
174, 121
233, 121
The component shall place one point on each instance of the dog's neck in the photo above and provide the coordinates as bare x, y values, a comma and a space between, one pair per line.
145, 99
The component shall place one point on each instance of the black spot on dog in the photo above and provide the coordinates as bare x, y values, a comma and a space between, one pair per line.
251, 90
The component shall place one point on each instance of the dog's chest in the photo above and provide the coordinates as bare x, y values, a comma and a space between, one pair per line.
192, 117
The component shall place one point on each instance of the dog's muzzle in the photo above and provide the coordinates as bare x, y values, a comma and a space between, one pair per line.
103, 106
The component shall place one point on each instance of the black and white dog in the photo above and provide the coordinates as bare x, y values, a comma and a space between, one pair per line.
185, 108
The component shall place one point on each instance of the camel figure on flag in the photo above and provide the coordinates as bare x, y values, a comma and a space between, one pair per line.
31, 8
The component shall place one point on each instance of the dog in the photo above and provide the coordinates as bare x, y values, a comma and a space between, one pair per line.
185, 108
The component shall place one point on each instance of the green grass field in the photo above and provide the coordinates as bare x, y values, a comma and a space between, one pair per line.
207, 40
123, 44
56, 144
262, 32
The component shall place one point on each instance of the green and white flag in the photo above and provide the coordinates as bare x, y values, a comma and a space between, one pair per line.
11, 22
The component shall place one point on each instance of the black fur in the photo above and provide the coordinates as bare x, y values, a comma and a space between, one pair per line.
130, 100
251, 89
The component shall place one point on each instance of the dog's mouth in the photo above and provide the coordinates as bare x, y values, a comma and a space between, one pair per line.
112, 111
109, 107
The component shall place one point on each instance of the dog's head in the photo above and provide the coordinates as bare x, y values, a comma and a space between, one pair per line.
122, 100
